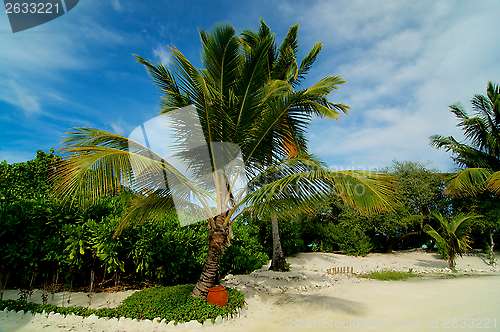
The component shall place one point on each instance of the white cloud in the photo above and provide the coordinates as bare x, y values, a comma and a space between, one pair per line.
162, 54
21, 97
404, 63
116, 5
121, 127
40, 57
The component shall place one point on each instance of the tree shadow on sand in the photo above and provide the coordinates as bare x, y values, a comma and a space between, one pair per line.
316, 302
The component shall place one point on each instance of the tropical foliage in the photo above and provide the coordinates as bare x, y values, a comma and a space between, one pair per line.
452, 236
76, 242
480, 156
422, 192
43, 244
239, 100
171, 304
336, 226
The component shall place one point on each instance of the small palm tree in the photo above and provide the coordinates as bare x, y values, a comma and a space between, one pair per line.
452, 235
236, 102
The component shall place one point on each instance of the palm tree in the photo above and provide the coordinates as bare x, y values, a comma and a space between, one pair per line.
452, 235
235, 103
300, 183
481, 157
282, 64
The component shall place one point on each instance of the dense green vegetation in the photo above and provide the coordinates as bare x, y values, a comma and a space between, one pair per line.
43, 243
247, 102
173, 303
247, 93
479, 159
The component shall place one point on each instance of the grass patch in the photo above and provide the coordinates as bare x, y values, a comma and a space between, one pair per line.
173, 303
387, 275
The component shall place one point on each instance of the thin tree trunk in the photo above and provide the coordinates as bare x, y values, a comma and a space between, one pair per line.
278, 261
4, 277
491, 252
219, 241
451, 261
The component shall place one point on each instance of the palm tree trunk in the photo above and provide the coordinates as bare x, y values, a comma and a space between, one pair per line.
219, 241
451, 260
278, 261
491, 253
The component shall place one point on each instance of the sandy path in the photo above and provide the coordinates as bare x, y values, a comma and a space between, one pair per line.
313, 299
384, 302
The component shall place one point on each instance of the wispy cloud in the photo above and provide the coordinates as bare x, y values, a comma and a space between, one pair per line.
116, 5
404, 63
120, 127
162, 54
52, 74
21, 97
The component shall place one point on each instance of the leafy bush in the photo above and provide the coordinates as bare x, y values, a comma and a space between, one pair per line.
170, 303
170, 254
351, 239
245, 254
176, 304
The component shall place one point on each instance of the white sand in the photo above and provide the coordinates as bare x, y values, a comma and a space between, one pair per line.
310, 298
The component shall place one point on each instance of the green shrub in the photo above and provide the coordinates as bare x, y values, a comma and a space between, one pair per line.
351, 239
245, 254
176, 304
336, 227
170, 303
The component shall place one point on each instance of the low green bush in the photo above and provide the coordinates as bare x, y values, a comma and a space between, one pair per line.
176, 304
173, 303
351, 239
245, 254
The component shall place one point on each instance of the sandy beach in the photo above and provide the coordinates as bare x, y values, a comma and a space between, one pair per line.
314, 295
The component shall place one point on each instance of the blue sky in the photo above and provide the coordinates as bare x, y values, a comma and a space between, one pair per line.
404, 63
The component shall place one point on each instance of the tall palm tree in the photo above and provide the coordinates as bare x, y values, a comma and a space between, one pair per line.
481, 156
452, 235
282, 64
235, 102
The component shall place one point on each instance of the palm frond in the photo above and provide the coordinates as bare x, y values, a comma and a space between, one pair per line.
468, 182
307, 62
481, 154
304, 178
494, 183
157, 205
435, 235
89, 172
